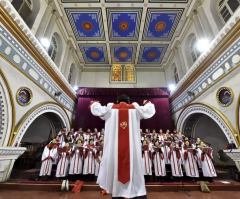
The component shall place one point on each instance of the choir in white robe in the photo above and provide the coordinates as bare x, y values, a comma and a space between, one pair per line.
166, 150
63, 164
207, 164
108, 174
147, 160
48, 157
190, 163
175, 158
98, 158
76, 162
159, 163
89, 161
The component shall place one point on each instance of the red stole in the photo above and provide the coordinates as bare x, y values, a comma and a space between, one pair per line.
123, 141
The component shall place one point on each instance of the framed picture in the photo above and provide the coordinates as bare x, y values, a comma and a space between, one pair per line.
224, 96
24, 96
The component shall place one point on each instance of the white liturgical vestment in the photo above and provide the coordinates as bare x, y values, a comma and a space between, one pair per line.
108, 177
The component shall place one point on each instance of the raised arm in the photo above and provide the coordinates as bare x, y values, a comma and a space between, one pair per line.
101, 111
146, 111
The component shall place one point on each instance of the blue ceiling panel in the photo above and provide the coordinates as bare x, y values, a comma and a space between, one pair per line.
123, 53
94, 53
124, 24
161, 24
151, 54
86, 24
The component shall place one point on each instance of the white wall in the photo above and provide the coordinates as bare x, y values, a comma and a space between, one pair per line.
102, 79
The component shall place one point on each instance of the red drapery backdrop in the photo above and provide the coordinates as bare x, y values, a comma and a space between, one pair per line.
158, 96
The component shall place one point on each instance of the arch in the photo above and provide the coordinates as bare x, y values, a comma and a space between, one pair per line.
35, 112
27, 9
214, 114
72, 74
55, 49
191, 52
7, 111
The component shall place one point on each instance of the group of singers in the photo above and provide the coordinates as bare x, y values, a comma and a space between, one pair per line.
80, 152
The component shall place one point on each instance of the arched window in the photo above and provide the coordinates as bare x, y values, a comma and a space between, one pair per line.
175, 73
226, 8
194, 52
27, 9
123, 73
129, 71
72, 75
53, 48
116, 73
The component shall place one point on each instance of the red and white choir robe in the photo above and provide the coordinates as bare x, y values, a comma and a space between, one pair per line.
89, 161
76, 162
190, 162
108, 177
207, 164
175, 158
63, 163
98, 158
147, 160
166, 150
159, 163
48, 157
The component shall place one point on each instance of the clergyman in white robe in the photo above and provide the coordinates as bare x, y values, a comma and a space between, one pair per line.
108, 177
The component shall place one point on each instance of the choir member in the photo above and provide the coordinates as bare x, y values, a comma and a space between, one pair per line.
208, 168
64, 155
89, 163
48, 157
175, 158
190, 161
158, 160
76, 162
147, 163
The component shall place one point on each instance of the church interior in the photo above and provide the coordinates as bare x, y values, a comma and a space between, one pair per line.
57, 57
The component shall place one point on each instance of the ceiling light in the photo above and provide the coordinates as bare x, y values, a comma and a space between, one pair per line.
202, 44
75, 88
45, 42
172, 87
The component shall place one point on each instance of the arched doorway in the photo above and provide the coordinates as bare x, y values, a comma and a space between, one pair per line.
41, 131
201, 126
203, 121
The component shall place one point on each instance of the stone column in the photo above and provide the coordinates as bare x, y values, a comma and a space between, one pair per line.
8, 155
50, 25
205, 23
198, 26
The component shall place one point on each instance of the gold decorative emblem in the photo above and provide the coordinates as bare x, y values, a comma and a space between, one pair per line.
123, 124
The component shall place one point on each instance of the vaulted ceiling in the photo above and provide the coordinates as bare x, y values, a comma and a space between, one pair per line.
139, 32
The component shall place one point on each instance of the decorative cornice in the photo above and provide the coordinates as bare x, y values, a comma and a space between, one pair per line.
229, 33
7, 153
14, 23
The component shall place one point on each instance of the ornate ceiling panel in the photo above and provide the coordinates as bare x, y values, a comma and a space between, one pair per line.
124, 31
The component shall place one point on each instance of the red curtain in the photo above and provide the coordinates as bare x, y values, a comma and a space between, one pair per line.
158, 96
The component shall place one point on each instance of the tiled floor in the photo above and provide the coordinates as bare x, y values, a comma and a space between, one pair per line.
5, 194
